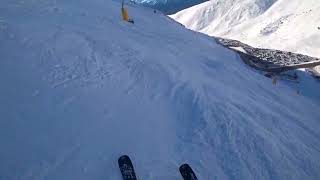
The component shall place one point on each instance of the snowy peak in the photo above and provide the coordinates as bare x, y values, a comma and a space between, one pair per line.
277, 24
221, 15
169, 6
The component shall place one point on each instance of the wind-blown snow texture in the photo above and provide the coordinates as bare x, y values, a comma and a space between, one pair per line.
80, 87
290, 25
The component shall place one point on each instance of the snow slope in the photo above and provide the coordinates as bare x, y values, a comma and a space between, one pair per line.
290, 25
80, 87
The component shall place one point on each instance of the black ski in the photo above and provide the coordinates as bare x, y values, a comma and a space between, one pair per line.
187, 172
126, 168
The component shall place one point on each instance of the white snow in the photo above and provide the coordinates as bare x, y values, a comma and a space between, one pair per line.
80, 87
238, 49
290, 25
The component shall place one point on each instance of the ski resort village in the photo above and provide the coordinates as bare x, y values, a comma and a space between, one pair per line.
160, 90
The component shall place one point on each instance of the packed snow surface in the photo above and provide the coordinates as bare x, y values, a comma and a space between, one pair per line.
80, 87
291, 25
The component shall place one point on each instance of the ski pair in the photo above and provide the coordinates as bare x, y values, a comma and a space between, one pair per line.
128, 173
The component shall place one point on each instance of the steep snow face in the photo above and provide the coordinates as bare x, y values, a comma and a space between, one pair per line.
80, 87
290, 25
169, 6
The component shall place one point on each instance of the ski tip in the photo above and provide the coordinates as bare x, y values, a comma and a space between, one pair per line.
184, 167
187, 172
123, 158
126, 168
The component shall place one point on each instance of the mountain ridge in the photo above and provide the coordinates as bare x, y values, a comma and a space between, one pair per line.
280, 25
169, 6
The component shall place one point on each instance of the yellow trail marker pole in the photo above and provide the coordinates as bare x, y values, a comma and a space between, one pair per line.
124, 12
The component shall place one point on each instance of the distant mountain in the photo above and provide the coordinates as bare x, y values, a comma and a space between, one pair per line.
291, 25
169, 6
